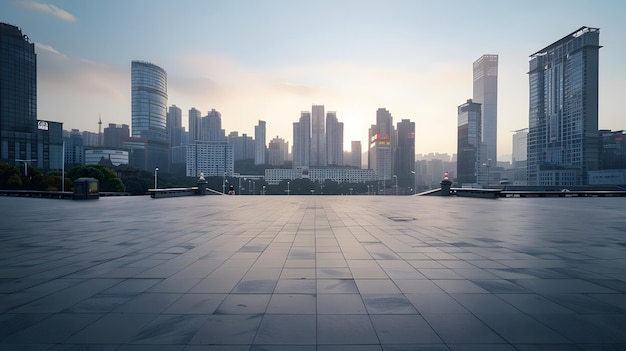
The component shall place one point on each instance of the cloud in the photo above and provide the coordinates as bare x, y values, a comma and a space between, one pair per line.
48, 48
49, 9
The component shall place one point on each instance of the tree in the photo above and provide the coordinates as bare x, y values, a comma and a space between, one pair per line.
108, 180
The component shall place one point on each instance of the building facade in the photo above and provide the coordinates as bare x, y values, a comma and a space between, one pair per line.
380, 152
150, 144
211, 158
260, 151
334, 140
563, 110
355, 154
485, 93
318, 137
302, 141
277, 152
18, 98
468, 143
405, 154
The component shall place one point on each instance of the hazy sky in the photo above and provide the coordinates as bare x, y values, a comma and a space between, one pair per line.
269, 60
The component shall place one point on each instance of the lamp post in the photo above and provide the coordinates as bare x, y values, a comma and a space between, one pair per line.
239, 188
223, 182
350, 191
396, 179
488, 165
156, 170
288, 188
414, 182
249, 186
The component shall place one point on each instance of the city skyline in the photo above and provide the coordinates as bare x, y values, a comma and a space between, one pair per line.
253, 61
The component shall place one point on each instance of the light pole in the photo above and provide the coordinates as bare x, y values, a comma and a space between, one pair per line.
263, 189
156, 170
488, 165
396, 178
350, 191
25, 165
414, 182
239, 188
224, 183
249, 187
287, 188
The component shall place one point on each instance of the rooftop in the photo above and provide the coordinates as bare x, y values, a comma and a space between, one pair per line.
313, 273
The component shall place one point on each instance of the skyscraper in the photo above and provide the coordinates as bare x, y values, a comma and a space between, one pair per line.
405, 153
277, 151
174, 124
486, 94
194, 124
355, 153
563, 110
18, 97
380, 145
318, 137
211, 127
468, 142
334, 140
149, 147
302, 141
259, 144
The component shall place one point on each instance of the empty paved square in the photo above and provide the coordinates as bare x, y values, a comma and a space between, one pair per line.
313, 273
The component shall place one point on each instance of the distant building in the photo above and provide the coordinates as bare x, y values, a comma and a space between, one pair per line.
320, 174
211, 127
278, 151
195, 119
563, 105
485, 93
74, 149
468, 143
175, 129
115, 156
405, 153
260, 150
318, 137
243, 146
612, 149
91, 139
380, 152
302, 141
210, 158
334, 140
149, 143
113, 135
355, 154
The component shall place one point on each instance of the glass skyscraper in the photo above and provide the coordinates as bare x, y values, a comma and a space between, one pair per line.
485, 92
468, 143
18, 96
318, 137
405, 153
149, 145
380, 145
563, 110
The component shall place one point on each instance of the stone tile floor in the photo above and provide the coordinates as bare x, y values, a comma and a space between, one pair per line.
313, 273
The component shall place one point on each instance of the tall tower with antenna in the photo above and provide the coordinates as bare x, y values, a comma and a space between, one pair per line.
99, 130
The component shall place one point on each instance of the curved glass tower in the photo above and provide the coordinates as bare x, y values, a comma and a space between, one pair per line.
149, 101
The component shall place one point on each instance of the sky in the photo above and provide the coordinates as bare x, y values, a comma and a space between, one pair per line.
269, 60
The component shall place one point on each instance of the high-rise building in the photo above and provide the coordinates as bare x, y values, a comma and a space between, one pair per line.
211, 127
468, 143
380, 152
302, 141
114, 134
318, 137
520, 148
259, 144
195, 118
18, 97
334, 140
278, 151
211, 158
563, 110
149, 145
486, 93
74, 149
405, 154
175, 129
355, 154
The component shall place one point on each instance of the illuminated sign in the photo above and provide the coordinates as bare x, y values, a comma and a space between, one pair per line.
42, 125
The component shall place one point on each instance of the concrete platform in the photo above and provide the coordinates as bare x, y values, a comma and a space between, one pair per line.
313, 273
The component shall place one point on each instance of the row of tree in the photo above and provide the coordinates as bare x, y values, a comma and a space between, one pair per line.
137, 182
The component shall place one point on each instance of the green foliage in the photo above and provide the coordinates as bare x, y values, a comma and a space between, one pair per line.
108, 180
10, 177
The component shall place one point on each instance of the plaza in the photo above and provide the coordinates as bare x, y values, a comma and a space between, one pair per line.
313, 273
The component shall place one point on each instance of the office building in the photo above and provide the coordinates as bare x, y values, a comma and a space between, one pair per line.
405, 154
114, 157
149, 144
563, 110
318, 137
175, 129
74, 149
195, 119
278, 151
485, 93
211, 158
243, 146
113, 135
302, 141
468, 143
259, 143
334, 140
211, 127
380, 152
355, 154
18, 98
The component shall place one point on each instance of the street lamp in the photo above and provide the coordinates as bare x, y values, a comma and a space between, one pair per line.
263, 189
414, 182
287, 188
155, 176
350, 191
396, 178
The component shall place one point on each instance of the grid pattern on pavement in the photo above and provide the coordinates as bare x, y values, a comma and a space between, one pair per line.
313, 273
